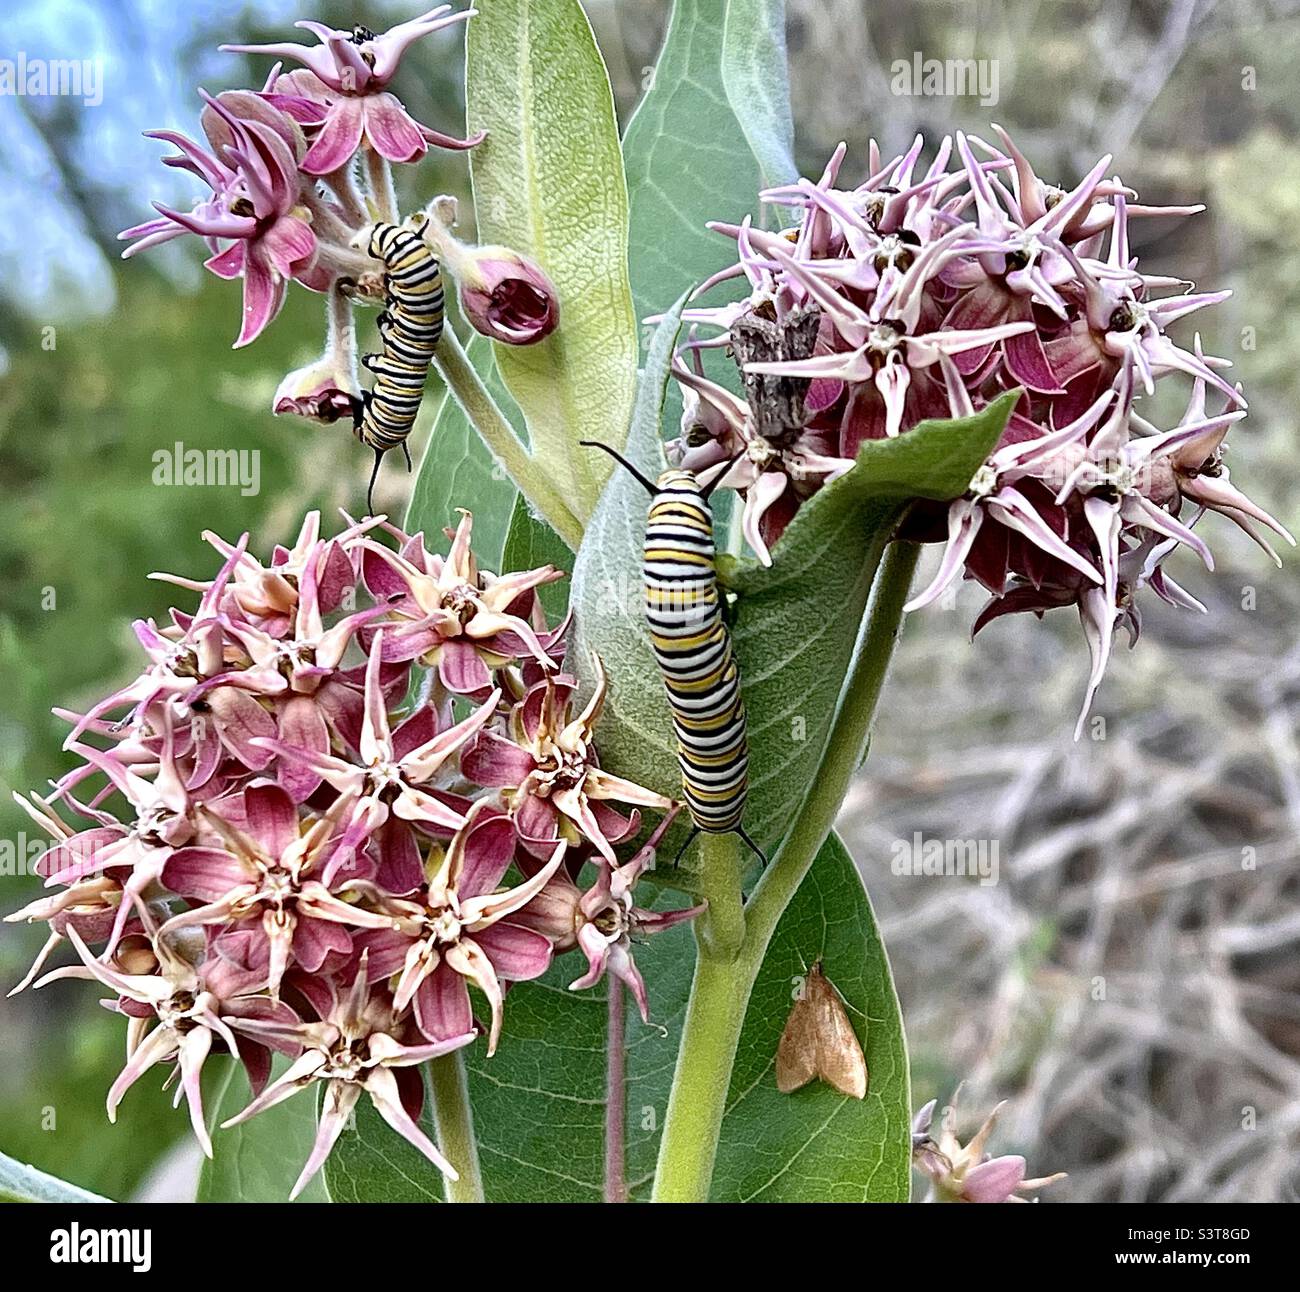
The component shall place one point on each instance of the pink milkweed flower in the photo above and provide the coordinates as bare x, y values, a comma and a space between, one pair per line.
396, 766
463, 928
449, 614
548, 771
352, 71
1123, 324
763, 470
360, 1044
271, 240
270, 879
267, 596
967, 1173
166, 818
603, 922
993, 495
193, 1008
181, 656
224, 181
1198, 473
884, 343
94, 896
322, 392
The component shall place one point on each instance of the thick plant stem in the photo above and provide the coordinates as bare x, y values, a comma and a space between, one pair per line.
722, 927
844, 749
455, 1126
616, 1095
380, 176
473, 396
722, 984
698, 1099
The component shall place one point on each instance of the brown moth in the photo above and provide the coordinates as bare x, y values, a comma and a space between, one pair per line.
819, 1041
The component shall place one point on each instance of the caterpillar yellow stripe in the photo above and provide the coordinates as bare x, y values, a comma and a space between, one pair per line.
410, 328
693, 649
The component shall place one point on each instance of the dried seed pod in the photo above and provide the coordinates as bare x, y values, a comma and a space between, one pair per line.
819, 1042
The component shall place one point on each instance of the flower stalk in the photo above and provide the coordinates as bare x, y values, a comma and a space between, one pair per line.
449, 1092
616, 1095
476, 400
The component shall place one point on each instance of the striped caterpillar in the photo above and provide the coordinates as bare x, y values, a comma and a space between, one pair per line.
410, 328
693, 649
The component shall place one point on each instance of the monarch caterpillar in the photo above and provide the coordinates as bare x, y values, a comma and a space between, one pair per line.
693, 649
409, 327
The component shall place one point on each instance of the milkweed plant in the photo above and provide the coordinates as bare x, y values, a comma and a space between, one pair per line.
375, 819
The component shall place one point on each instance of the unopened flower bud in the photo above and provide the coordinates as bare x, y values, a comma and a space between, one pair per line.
504, 295
321, 392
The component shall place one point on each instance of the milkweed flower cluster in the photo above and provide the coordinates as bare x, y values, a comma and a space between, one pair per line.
296, 174
920, 295
354, 782
966, 1172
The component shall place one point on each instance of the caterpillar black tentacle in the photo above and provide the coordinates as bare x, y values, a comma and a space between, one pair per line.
693, 648
410, 328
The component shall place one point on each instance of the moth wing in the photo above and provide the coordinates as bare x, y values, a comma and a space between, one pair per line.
796, 1055
838, 1055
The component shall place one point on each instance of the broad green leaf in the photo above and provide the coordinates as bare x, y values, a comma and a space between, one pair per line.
796, 622
539, 1102
817, 1144
531, 543
689, 159
372, 1163
755, 76
607, 592
691, 156
548, 181
22, 1183
457, 470
258, 1160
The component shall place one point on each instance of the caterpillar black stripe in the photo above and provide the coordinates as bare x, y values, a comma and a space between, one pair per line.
693, 649
410, 328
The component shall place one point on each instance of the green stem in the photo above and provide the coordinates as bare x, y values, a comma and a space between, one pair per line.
455, 1123
724, 979
721, 927
476, 400
844, 750
698, 1099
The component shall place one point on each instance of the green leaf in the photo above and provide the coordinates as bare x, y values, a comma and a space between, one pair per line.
796, 623
607, 592
539, 1102
532, 543
372, 1163
22, 1183
548, 181
755, 75
258, 1160
691, 153
817, 1144
689, 157
458, 470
